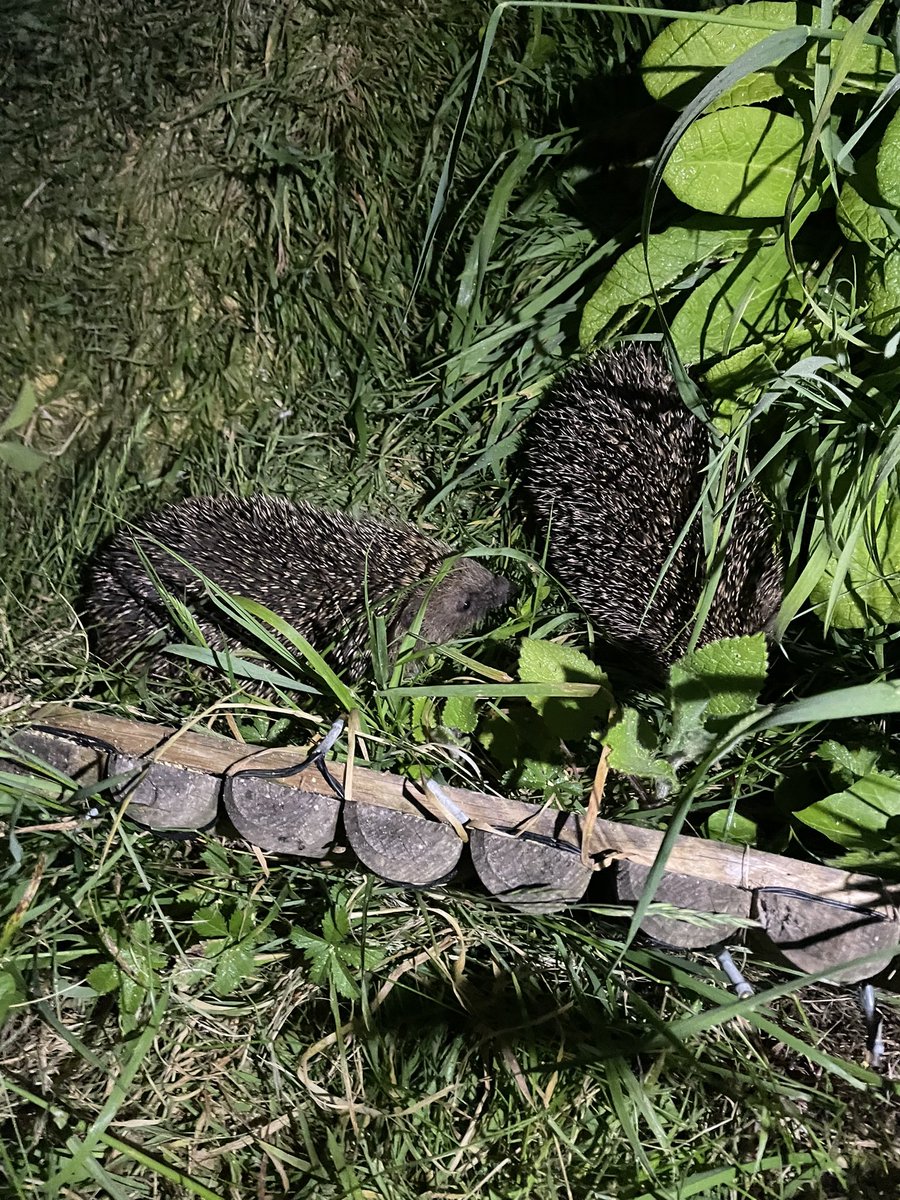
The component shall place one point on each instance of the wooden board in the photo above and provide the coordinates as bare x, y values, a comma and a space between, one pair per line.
530, 876
401, 847
735, 865
698, 896
534, 859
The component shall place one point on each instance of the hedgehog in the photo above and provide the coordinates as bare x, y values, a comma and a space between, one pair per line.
322, 572
614, 466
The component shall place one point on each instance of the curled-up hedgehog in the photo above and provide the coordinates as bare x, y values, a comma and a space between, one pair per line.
615, 467
322, 572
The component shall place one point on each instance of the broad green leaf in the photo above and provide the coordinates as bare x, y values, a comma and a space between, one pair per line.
311, 943
139, 952
726, 826
859, 220
131, 996
731, 673
881, 279
540, 50
20, 457
887, 169
26, 403
334, 962
460, 713
133, 972
672, 254
875, 861
741, 162
325, 963
687, 54
870, 68
235, 964
870, 591
849, 764
853, 816
209, 923
216, 862
421, 717
542, 661
689, 738
739, 303
634, 748
9, 994
336, 925
241, 923
711, 687
522, 742
753, 365
104, 978
539, 774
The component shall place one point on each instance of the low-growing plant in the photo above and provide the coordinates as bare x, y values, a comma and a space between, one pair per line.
778, 281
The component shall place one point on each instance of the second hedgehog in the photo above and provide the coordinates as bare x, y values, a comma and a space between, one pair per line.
615, 465
322, 572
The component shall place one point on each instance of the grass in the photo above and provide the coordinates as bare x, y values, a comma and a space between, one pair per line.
212, 220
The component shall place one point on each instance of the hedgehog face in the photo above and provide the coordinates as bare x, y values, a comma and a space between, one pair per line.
463, 598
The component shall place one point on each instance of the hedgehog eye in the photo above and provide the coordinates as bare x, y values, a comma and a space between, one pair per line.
465, 604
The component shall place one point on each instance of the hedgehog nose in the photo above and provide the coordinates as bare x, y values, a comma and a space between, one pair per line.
503, 590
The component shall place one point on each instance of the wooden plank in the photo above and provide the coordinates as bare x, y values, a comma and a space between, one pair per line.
685, 891
734, 865
817, 935
85, 765
530, 876
166, 796
282, 819
400, 847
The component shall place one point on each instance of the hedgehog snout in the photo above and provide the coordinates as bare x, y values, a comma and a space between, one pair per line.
479, 590
489, 593
501, 591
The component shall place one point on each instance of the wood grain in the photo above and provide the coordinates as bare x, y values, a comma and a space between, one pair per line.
734, 865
